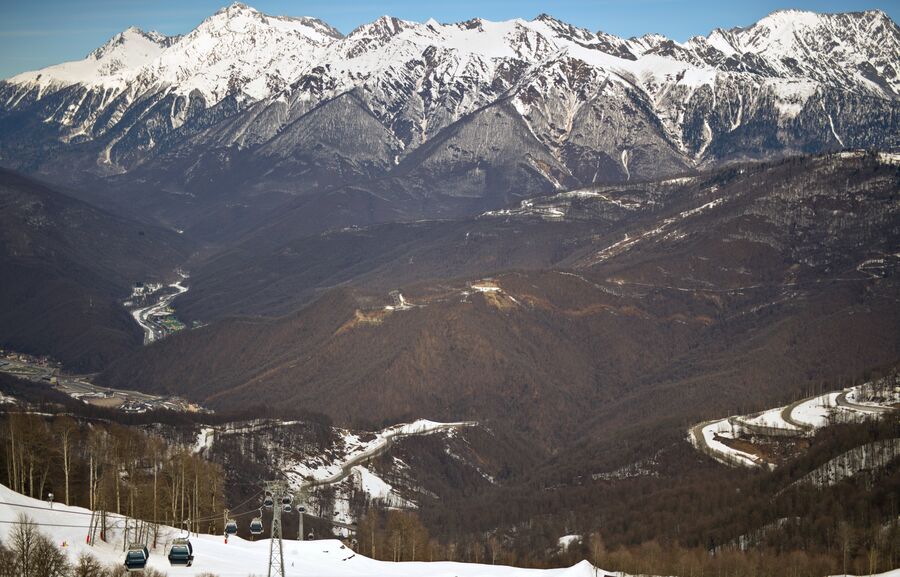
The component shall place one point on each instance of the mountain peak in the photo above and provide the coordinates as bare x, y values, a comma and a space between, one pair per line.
562, 28
233, 12
239, 50
384, 27
236, 8
236, 17
111, 65
240, 19
789, 17
131, 34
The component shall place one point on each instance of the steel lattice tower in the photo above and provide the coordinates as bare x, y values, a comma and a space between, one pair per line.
276, 553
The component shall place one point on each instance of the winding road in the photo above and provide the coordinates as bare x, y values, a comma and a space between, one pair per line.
816, 417
787, 416
142, 315
871, 409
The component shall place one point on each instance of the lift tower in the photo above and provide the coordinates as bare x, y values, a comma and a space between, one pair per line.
277, 489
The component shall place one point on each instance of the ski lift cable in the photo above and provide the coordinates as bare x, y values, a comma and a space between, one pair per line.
39, 524
58, 510
120, 522
157, 521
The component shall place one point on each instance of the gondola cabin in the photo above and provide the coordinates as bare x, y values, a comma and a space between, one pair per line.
181, 553
256, 526
136, 557
231, 527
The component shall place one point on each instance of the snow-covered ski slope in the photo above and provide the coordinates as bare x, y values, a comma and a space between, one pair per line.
67, 527
803, 417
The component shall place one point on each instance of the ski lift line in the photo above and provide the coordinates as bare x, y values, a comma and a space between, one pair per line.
217, 516
155, 522
244, 514
248, 500
38, 524
44, 508
159, 521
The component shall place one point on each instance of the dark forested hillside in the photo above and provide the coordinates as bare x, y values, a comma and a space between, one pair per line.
730, 291
66, 268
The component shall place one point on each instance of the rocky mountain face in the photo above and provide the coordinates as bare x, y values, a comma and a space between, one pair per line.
249, 113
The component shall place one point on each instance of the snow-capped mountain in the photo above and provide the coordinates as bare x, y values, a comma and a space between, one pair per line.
475, 110
237, 50
112, 66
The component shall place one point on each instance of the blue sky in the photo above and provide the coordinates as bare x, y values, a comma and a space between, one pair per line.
37, 33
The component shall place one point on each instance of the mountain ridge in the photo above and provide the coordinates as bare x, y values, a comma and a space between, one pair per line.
300, 44
208, 124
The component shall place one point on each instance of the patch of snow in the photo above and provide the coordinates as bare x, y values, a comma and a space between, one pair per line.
831, 125
814, 412
353, 450
567, 541
791, 95
722, 452
377, 488
868, 457
772, 418
205, 439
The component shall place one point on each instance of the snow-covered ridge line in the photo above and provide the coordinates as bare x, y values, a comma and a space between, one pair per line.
253, 76
261, 55
721, 438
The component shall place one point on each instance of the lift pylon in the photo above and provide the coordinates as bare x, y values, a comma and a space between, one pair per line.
276, 552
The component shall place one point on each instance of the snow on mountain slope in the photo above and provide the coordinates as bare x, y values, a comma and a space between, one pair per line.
605, 108
841, 48
111, 66
67, 527
239, 49
239, 44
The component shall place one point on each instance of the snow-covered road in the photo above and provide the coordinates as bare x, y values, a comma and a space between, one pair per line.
803, 417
